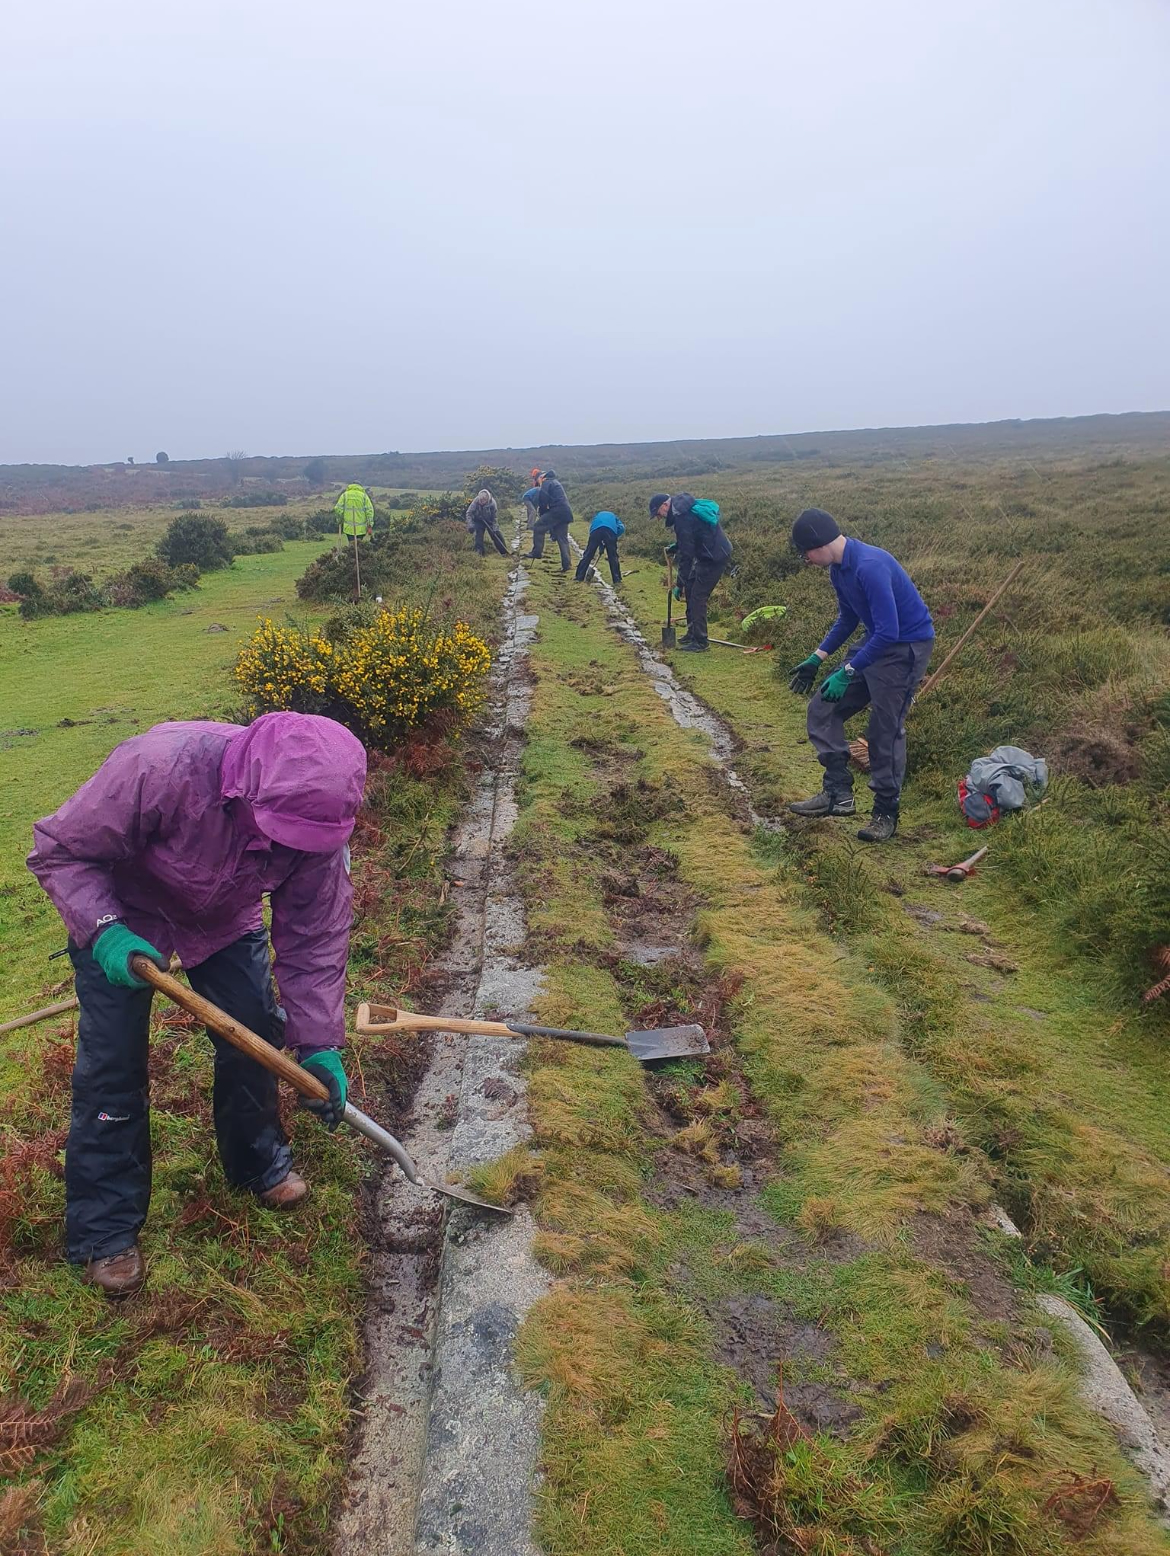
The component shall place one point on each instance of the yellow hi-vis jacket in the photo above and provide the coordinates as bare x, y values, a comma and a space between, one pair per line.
355, 511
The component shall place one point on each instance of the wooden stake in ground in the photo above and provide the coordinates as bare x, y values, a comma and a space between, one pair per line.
859, 749
357, 567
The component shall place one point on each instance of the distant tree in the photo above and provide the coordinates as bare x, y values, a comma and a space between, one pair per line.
130, 459
197, 538
505, 485
235, 458
314, 472
162, 458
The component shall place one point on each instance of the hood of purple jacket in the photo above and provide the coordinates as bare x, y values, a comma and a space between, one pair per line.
184, 829
302, 777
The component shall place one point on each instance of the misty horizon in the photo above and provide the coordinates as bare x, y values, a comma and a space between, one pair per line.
453, 229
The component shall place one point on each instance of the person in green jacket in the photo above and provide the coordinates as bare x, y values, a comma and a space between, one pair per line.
355, 512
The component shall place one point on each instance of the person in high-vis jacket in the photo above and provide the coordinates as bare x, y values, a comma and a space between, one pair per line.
355, 512
171, 847
882, 673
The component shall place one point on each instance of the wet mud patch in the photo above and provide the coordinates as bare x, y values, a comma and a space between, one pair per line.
952, 1243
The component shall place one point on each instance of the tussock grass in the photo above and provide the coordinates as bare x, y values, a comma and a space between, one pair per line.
635, 1436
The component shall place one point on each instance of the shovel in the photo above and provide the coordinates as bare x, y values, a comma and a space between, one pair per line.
669, 636
686, 1042
300, 1080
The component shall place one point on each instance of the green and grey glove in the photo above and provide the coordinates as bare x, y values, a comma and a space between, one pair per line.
803, 675
837, 684
113, 949
325, 1065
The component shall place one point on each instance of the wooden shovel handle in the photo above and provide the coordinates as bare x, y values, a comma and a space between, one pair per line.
233, 1031
373, 1019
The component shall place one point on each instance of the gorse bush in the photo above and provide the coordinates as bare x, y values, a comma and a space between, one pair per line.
148, 580
382, 679
69, 591
196, 538
257, 541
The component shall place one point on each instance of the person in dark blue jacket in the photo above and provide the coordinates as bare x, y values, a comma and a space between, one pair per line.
554, 518
700, 560
605, 530
883, 673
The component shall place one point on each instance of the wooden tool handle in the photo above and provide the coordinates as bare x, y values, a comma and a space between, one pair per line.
233, 1031
932, 681
372, 1019
39, 1015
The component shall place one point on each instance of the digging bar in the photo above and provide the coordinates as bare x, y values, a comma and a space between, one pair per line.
300, 1080
685, 1042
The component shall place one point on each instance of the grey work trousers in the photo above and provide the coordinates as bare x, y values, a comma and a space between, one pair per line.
886, 687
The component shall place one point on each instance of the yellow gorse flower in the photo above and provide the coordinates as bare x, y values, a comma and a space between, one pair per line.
382, 680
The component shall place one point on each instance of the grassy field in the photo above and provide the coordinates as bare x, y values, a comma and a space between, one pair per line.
211, 1413
1055, 1068
805, 1200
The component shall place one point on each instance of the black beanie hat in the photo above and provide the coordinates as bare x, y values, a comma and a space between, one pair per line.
814, 528
656, 502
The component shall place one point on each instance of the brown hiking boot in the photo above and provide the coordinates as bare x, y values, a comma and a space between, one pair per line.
118, 1275
285, 1194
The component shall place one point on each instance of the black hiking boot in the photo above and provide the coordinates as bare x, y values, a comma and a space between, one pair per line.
881, 827
824, 805
693, 646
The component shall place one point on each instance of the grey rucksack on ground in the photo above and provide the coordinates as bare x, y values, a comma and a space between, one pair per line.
1006, 780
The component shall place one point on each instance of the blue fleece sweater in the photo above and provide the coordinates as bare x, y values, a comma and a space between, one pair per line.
873, 588
607, 520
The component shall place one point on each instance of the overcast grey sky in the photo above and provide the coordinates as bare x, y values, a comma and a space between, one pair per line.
357, 225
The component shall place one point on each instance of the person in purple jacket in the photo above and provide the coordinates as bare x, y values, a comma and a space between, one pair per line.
882, 673
170, 847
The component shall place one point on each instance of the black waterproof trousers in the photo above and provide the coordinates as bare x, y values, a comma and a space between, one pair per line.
597, 539
107, 1156
497, 539
703, 578
886, 687
559, 530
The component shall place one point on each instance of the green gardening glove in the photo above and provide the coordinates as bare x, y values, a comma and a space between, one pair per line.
672, 549
803, 675
837, 685
325, 1065
677, 591
113, 949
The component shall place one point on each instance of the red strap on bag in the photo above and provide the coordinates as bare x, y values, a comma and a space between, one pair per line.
964, 791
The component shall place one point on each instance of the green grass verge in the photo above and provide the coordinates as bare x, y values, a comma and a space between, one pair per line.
1052, 1069
217, 1407
963, 1422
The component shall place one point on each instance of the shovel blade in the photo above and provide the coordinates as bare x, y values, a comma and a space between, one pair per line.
688, 1042
669, 637
466, 1197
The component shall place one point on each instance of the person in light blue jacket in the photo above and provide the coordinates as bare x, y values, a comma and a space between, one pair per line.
605, 530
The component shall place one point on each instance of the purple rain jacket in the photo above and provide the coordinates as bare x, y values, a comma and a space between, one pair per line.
182, 830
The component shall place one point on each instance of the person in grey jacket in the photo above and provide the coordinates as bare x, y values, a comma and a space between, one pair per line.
483, 519
554, 519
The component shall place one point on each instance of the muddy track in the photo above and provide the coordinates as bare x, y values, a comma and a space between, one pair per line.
1142, 1425
446, 1446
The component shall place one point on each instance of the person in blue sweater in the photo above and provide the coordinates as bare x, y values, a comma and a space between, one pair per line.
605, 530
883, 673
